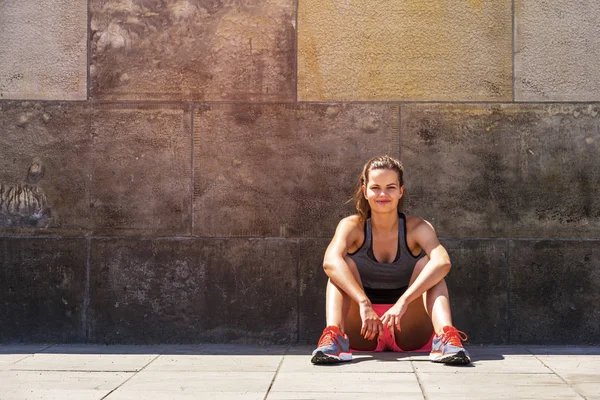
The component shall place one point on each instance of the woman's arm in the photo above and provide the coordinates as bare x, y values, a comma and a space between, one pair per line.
348, 233
436, 268
336, 267
433, 272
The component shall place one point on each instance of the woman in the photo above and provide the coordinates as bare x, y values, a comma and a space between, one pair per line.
386, 288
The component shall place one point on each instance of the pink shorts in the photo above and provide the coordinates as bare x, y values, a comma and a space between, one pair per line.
387, 342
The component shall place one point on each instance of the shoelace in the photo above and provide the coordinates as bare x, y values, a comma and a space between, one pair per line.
454, 336
328, 337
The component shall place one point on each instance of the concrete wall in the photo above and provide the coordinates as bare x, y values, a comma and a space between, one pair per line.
172, 170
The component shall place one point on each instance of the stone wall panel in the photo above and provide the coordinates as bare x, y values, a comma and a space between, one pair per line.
44, 168
282, 170
478, 288
141, 170
43, 55
554, 291
557, 49
201, 51
504, 170
190, 291
408, 50
42, 288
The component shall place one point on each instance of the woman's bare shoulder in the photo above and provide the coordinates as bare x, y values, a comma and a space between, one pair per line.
350, 223
413, 222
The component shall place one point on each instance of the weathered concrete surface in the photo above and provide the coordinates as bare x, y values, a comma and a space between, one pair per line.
42, 284
54, 385
443, 385
504, 170
281, 170
141, 170
170, 291
44, 50
478, 288
44, 167
554, 291
557, 50
182, 50
410, 50
286, 373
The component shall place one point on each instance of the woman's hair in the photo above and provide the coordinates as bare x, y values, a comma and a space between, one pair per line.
382, 162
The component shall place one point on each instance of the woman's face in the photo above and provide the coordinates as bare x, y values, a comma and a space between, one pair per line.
383, 191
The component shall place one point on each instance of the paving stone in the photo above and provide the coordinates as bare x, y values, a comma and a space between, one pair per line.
26, 349
485, 361
478, 288
579, 371
57, 382
282, 170
225, 349
42, 283
556, 46
54, 394
44, 50
44, 167
215, 363
503, 170
183, 395
89, 349
346, 396
193, 51
564, 350
407, 50
554, 291
193, 291
141, 167
361, 362
494, 386
351, 382
84, 362
7, 360
199, 382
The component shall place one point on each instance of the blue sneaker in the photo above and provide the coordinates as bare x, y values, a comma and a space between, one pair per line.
333, 347
448, 349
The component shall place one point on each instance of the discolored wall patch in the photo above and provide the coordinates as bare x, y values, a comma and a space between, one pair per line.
43, 55
504, 170
44, 167
141, 170
283, 170
189, 50
404, 50
557, 50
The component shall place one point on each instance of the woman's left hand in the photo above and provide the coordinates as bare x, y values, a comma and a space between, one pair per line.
392, 316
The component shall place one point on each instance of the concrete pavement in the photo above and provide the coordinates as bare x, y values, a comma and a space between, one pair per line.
85, 372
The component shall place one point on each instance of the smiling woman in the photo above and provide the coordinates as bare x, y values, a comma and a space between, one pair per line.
386, 288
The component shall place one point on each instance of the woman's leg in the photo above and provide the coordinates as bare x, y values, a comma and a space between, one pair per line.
423, 317
344, 313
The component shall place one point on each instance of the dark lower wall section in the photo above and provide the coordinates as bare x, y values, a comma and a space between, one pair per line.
272, 291
187, 291
42, 290
555, 291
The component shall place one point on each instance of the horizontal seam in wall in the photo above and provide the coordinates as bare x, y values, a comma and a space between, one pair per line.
399, 102
8, 236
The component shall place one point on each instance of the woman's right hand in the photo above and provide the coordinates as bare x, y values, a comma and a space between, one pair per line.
371, 324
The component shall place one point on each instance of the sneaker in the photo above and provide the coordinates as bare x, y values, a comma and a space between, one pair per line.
447, 347
333, 347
